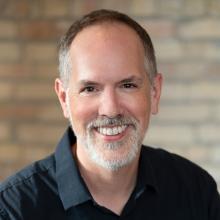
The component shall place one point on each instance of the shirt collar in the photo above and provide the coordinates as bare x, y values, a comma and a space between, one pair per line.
146, 178
71, 187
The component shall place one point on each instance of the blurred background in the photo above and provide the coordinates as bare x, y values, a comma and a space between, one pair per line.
186, 36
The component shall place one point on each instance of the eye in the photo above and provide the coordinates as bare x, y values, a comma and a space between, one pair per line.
129, 85
88, 90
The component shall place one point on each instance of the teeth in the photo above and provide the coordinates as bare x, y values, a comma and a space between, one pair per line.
111, 131
120, 129
104, 130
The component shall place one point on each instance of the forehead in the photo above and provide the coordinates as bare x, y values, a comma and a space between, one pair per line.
107, 49
107, 32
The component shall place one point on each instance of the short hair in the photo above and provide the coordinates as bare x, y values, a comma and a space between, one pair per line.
98, 17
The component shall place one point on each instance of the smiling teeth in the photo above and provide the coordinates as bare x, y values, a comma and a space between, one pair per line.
111, 131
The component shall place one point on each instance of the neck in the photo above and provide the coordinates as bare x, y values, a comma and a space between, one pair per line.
106, 181
109, 188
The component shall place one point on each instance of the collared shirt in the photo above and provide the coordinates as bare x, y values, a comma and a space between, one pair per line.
168, 187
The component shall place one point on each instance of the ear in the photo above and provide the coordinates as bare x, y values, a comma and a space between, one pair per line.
155, 93
62, 96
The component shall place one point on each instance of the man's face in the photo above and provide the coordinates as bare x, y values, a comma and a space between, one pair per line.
109, 97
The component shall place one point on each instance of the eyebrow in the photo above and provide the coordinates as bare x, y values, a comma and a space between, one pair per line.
132, 79
85, 82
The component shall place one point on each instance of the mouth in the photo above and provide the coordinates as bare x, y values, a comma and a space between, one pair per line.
111, 131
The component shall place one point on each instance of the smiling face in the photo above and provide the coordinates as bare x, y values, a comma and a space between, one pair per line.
109, 98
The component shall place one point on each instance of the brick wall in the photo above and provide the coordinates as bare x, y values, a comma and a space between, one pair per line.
186, 36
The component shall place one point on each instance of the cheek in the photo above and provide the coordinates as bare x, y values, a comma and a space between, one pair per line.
82, 112
139, 107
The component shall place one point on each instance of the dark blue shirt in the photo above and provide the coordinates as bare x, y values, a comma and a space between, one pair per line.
168, 187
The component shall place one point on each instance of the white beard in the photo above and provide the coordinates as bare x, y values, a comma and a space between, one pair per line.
96, 150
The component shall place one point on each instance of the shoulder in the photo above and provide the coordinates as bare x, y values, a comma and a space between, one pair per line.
27, 187
26, 175
179, 179
177, 168
160, 157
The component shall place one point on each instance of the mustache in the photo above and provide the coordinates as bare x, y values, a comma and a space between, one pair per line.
116, 121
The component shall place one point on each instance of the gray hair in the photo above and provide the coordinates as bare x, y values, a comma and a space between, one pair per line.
98, 17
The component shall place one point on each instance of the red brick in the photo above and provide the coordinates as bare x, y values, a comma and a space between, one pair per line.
8, 29
215, 154
183, 113
36, 9
210, 51
213, 71
29, 71
39, 133
18, 111
198, 154
195, 8
55, 8
171, 135
40, 30
9, 70
142, 7
9, 152
79, 7
205, 90
214, 7
169, 8
6, 91
168, 49
29, 111
51, 113
186, 38
158, 28
8, 168
190, 70
209, 133
217, 115
35, 91
5, 132
9, 52
17, 9
197, 91
46, 71
41, 52
39, 152
200, 29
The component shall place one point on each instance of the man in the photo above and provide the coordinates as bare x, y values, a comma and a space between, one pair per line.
108, 89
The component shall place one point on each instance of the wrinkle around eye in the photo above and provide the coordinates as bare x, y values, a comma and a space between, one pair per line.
129, 85
89, 90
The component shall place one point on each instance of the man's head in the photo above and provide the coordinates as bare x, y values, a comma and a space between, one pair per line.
109, 95
98, 17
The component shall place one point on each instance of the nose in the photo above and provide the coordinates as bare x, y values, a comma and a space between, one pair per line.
109, 105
